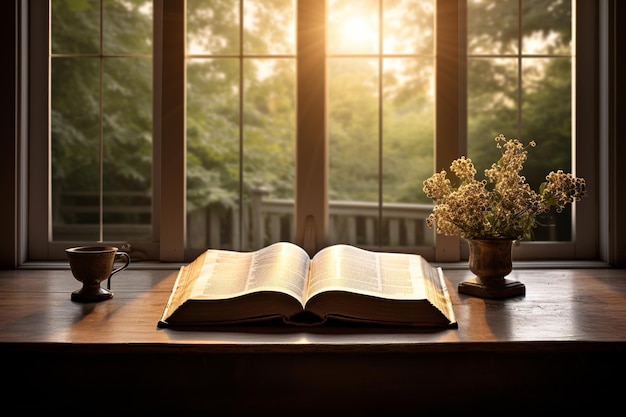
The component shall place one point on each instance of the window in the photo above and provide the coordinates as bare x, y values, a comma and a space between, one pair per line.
381, 100
101, 120
529, 89
241, 122
313, 120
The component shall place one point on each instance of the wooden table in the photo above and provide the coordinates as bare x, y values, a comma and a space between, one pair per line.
559, 347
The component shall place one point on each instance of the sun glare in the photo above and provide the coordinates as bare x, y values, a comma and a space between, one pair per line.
358, 35
354, 28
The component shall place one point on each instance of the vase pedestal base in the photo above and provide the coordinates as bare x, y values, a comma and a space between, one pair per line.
509, 288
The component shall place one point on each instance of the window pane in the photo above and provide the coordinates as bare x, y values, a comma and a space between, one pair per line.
270, 27
547, 119
548, 32
269, 149
75, 149
127, 149
213, 27
240, 124
212, 152
408, 27
75, 27
492, 26
380, 121
547, 109
492, 106
352, 27
127, 27
352, 126
526, 96
101, 121
407, 151
353, 149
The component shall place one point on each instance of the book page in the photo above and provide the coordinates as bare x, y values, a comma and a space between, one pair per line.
279, 267
436, 289
347, 268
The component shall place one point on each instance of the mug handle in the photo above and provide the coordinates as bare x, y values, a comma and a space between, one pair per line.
126, 263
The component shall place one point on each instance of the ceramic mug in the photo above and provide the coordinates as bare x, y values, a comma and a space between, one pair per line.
91, 265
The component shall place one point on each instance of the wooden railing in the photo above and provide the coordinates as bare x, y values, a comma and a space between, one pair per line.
270, 220
76, 216
263, 221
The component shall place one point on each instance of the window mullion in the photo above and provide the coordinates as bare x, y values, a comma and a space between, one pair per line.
311, 200
380, 123
171, 128
39, 193
586, 237
448, 108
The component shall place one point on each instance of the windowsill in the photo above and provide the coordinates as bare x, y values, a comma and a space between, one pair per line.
543, 264
136, 265
155, 265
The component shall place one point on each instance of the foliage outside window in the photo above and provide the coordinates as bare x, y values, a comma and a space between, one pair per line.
241, 114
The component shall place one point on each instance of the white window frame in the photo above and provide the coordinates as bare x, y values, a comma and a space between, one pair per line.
169, 136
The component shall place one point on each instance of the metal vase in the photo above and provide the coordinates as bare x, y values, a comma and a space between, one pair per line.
490, 259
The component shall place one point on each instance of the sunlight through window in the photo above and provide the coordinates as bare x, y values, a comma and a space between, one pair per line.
358, 34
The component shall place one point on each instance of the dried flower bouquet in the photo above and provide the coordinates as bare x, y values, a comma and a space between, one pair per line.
502, 205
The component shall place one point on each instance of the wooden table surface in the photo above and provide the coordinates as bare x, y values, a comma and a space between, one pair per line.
577, 306
560, 346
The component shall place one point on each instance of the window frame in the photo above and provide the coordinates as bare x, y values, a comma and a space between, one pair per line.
168, 243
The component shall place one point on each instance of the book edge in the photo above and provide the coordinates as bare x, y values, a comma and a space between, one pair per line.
446, 294
170, 299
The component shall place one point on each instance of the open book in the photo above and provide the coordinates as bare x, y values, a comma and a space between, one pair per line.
280, 281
